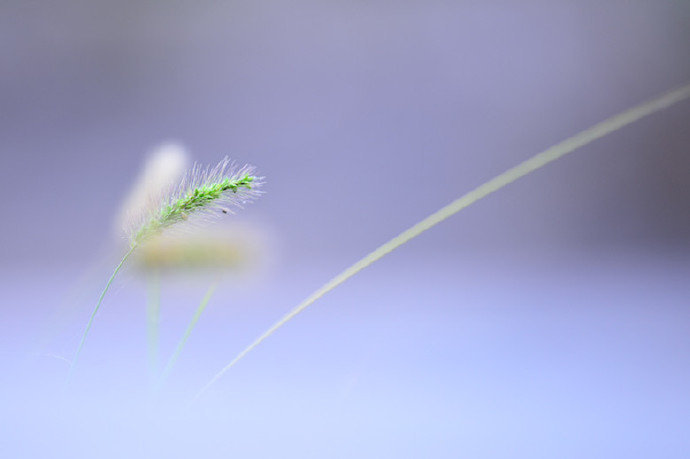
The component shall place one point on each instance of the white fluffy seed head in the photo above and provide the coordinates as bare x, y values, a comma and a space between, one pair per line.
163, 168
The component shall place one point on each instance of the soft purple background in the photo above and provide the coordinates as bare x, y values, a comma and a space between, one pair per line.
550, 320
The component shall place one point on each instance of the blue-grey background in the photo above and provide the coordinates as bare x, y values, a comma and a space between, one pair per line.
549, 320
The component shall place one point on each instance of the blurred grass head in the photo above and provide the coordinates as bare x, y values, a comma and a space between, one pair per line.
163, 168
239, 248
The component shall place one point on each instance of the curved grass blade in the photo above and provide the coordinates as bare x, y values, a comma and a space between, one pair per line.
532, 164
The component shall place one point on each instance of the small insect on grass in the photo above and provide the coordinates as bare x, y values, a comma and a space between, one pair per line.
198, 198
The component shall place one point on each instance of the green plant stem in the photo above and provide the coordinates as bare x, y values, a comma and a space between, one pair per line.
95, 310
153, 304
530, 165
180, 345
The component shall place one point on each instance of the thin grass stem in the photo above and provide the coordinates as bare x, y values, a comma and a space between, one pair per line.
95, 310
190, 327
153, 304
530, 165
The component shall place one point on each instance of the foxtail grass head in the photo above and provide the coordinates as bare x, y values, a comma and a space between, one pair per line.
206, 192
203, 194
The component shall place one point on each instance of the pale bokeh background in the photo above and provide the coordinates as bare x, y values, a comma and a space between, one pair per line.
364, 116
549, 320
